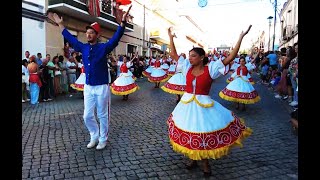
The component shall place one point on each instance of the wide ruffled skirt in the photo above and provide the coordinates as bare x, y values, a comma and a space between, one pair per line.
231, 78
172, 70
158, 75
176, 84
201, 128
124, 85
240, 90
165, 66
148, 71
79, 84
130, 73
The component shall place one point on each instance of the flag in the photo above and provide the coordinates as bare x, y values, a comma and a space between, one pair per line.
93, 7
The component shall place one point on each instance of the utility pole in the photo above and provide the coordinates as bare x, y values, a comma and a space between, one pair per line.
274, 23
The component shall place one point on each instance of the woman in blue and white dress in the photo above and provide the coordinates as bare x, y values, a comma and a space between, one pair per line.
240, 90
199, 127
177, 83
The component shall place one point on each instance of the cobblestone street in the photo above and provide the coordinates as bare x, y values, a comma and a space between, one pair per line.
54, 140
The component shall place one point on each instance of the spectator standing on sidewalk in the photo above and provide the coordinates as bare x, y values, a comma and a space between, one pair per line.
34, 79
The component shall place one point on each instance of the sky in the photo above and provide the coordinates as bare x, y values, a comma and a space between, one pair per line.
223, 20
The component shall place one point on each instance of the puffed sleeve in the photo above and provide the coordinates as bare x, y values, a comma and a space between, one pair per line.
186, 65
216, 68
129, 64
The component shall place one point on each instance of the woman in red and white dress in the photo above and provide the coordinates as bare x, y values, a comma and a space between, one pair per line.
199, 127
164, 64
240, 89
129, 64
79, 84
148, 71
158, 75
172, 68
250, 66
124, 84
177, 83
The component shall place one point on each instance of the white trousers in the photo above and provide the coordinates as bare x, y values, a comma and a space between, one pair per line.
97, 97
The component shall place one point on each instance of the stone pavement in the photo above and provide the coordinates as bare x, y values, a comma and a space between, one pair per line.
54, 140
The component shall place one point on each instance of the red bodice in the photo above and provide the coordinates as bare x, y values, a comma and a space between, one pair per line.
151, 62
203, 82
157, 64
244, 71
123, 68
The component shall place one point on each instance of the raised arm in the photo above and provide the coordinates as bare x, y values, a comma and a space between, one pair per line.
77, 45
174, 55
235, 50
113, 42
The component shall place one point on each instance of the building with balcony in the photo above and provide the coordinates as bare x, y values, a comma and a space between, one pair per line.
146, 32
76, 18
289, 23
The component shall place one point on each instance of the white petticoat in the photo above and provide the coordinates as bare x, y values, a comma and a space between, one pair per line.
149, 69
178, 79
124, 79
157, 72
193, 117
81, 79
164, 66
241, 84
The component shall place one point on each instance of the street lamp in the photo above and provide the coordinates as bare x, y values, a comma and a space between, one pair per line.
269, 18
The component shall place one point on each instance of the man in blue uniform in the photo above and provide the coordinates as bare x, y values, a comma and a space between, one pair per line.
96, 89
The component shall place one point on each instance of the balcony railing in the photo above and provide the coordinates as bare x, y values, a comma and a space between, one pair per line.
106, 7
74, 7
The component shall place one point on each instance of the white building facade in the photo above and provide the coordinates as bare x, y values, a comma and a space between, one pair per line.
289, 23
33, 28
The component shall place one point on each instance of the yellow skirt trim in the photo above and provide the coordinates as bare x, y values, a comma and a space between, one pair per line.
74, 87
210, 154
163, 80
165, 89
124, 92
197, 102
228, 81
144, 74
243, 101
